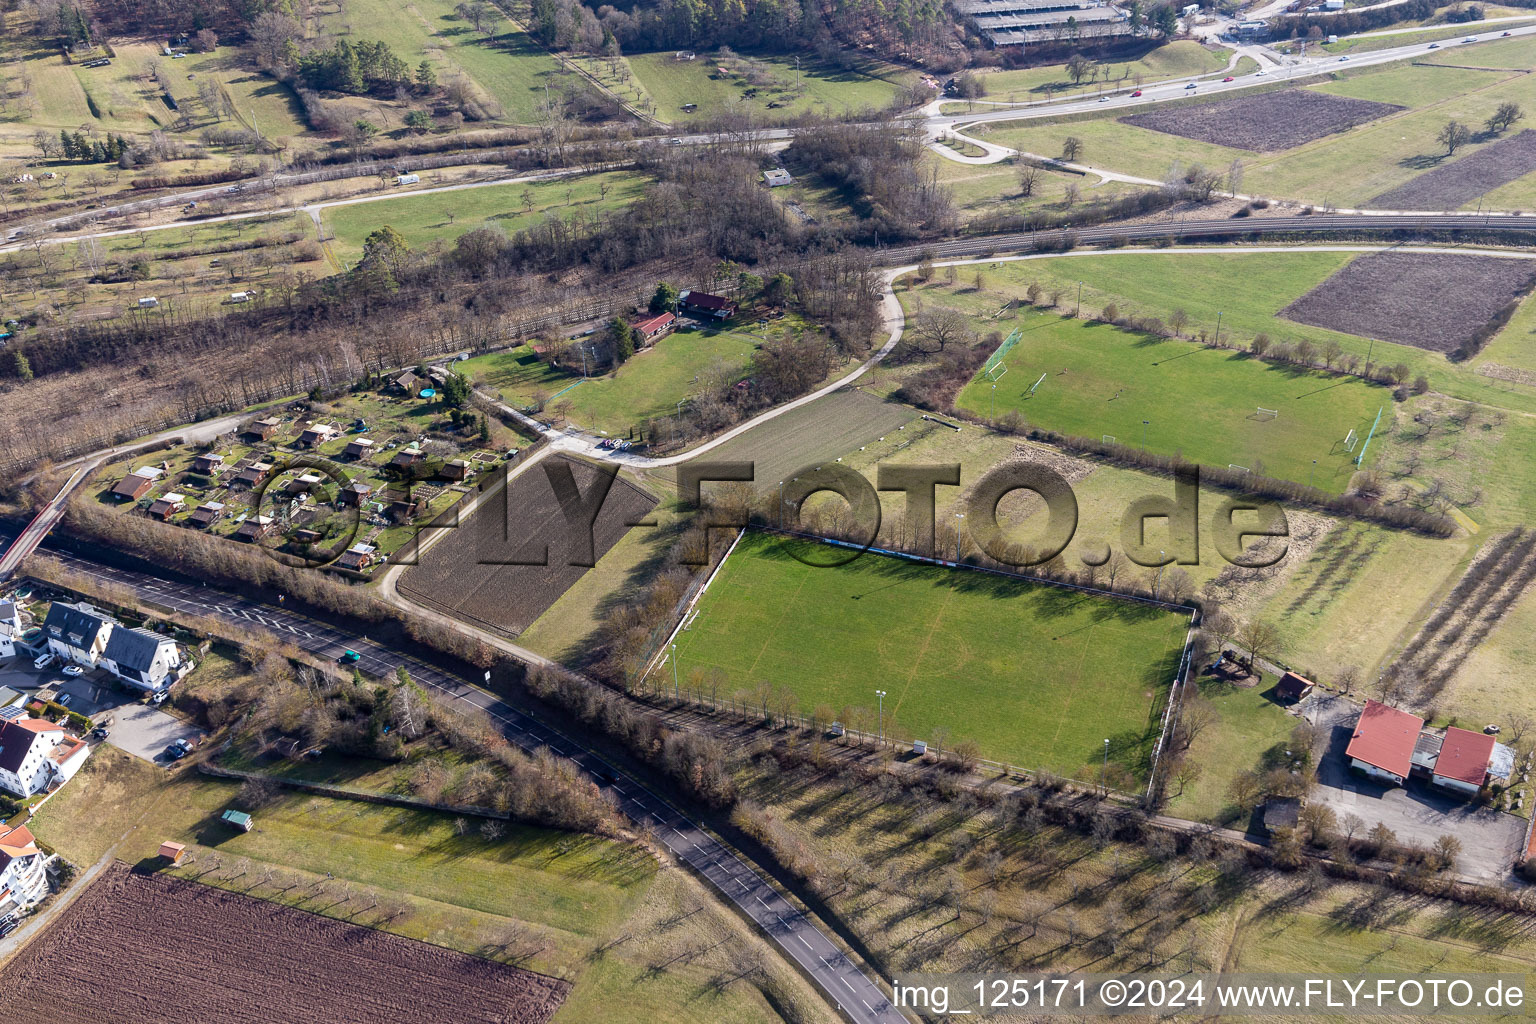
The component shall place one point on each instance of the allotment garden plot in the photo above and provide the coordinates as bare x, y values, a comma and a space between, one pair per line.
222, 956
1218, 407
1266, 122
472, 573
1426, 300
1039, 676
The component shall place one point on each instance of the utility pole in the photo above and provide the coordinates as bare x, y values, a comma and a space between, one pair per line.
1079, 300
1217, 339
881, 695
1104, 773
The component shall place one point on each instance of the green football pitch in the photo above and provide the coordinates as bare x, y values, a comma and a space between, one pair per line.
1038, 675
1218, 407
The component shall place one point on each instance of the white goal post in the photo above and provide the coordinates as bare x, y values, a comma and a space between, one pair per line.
1268, 414
1109, 438
995, 374
1351, 439
1244, 469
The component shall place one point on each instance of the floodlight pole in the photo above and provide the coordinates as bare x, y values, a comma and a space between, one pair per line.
1368, 350
1217, 339
1156, 584
1079, 300
1144, 424
781, 504
675, 687
960, 516
881, 727
1311, 472
994, 401
1104, 773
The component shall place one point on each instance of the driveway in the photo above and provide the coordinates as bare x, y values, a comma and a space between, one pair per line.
146, 731
1418, 813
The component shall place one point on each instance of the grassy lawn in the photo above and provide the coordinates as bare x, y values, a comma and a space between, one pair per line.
948, 646
1172, 60
1248, 724
671, 83
979, 189
650, 384
444, 216
509, 67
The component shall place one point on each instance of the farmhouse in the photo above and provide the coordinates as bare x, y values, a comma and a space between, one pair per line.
1383, 741
657, 327
254, 528
76, 633
137, 483
1293, 687
317, 434
23, 882
358, 557
252, 475
36, 754
143, 659
208, 462
206, 514
707, 305
358, 448
262, 430
168, 505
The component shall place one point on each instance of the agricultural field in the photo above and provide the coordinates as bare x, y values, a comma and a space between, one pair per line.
440, 217
1264, 122
765, 86
506, 564
1424, 300
650, 384
981, 189
1452, 185
1343, 170
1037, 675
335, 971
408, 434
597, 915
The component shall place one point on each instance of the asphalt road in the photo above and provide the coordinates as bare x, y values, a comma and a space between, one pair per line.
855, 993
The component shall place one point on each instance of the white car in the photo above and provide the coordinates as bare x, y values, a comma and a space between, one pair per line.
1470, 39
42, 661
1262, 71
1103, 99
73, 671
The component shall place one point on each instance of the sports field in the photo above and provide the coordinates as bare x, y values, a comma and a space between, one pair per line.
1038, 675
1173, 396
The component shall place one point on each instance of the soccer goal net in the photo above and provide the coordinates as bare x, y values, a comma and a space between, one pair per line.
1109, 438
996, 359
1240, 469
1268, 414
1350, 440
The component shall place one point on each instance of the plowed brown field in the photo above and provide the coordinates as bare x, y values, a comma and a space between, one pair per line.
147, 949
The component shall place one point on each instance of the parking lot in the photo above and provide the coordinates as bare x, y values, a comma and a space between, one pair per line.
138, 728
1418, 813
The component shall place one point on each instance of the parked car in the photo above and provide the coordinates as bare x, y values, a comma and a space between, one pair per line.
42, 661
65, 699
73, 671
159, 697
101, 732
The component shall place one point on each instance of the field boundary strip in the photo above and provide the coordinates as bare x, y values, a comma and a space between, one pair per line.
689, 603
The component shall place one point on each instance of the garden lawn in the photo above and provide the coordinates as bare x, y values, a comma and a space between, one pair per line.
1039, 676
444, 216
1248, 724
1173, 396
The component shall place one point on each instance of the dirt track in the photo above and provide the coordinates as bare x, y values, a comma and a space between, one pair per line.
147, 949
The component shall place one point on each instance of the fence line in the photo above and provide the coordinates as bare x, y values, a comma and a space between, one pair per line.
685, 605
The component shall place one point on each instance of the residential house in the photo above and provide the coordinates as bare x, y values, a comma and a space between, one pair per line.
11, 631
1382, 745
263, 429
10, 698
168, 505
408, 383
252, 475
206, 514
317, 434
1293, 687
209, 463
358, 448
23, 880
76, 633
455, 469
143, 659
358, 557
1462, 766
254, 528
706, 305
36, 754
355, 493
137, 483
657, 327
